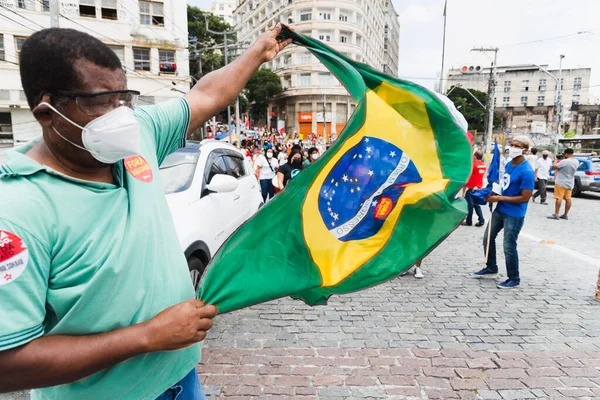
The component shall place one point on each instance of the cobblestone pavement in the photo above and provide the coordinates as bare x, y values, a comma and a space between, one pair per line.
446, 336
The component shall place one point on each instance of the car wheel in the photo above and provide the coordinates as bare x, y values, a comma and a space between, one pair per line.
196, 267
577, 189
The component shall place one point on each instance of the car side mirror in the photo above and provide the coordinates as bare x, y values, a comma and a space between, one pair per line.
222, 183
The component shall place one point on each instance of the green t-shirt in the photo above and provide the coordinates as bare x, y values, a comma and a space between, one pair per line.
81, 258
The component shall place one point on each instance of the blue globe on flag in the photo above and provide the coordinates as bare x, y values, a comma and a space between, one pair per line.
364, 187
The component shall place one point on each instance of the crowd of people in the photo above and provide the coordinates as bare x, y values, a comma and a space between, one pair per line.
276, 162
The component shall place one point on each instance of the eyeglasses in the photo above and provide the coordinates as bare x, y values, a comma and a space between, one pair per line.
100, 103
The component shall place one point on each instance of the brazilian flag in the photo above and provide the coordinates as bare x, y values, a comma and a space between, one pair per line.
380, 199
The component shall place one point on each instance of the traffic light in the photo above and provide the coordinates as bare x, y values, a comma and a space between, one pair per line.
471, 69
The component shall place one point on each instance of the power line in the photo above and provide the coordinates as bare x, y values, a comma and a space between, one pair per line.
16, 22
551, 38
19, 15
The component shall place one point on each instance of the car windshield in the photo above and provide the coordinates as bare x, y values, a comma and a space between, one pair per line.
177, 170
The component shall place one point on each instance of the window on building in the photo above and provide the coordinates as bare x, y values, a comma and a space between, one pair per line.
4, 94
542, 87
304, 80
507, 86
325, 79
18, 46
287, 81
305, 15
325, 36
343, 16
287, 60
25, 4
119, 51
46, 5
541, 100
2, 54
576, 98
152, 13
304, 58
109, 9
343, 37
505, 101
325, 15
87, 8
221, 7
562, 86
523, 100
577, 83
525, 85
141, 59
166, 57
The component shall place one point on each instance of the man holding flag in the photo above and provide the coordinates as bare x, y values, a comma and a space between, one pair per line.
517, 188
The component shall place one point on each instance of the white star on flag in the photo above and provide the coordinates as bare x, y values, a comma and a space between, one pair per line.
374, 203
332, 223
371, 173
336, 184
366, 140
351, 190
335, 216
360, 156
369, 149
392, 154
345, 178
358, 188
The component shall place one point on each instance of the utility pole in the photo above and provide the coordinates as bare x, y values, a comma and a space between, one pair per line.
325, 118
225, 44
54, 13
558, 103
441, 88
491, 96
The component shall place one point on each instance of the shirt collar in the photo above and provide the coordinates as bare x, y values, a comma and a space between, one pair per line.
19, 164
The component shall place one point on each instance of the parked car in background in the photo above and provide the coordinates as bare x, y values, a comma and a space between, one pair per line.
587, 177
211, 190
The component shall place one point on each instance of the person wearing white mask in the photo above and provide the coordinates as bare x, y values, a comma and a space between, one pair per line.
266, 169
517, 188
311, 156
101, 304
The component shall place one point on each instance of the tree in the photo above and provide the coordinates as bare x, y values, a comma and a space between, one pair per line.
260, 89
209, 46
471, 109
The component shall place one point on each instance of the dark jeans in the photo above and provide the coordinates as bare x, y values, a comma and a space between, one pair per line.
267, 189
541, 190
512, 226
188, 388
472, 206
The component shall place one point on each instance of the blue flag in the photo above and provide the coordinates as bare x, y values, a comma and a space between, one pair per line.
494, 170
480, 196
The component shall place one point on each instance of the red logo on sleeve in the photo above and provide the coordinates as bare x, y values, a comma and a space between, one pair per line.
139, 168
14, 256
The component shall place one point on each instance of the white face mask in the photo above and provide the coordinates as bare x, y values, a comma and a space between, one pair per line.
314, 156
514, 152
269, 155
109, 138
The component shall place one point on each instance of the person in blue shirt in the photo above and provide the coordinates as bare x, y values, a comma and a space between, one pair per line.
517, 188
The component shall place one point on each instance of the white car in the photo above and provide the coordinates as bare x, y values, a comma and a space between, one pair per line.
211, 190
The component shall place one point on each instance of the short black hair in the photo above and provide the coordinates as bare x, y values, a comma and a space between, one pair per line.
568, 151
47, 61
312, 150
478, 155
534, 151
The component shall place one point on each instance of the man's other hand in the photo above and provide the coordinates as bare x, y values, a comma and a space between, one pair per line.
268, 44
179, 326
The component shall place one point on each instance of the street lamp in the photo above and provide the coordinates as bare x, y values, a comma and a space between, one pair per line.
558, 98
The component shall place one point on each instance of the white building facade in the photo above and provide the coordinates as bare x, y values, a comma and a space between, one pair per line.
527, 85
313, 101
224, 10
150, 37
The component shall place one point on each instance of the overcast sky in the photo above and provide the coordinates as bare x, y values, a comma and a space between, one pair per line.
526, 31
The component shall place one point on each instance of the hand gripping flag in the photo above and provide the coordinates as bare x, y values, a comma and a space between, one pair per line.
380, 199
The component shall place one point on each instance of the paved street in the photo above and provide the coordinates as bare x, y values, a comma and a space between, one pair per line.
446, 336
